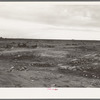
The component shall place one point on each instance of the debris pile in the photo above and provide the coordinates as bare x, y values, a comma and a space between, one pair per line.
18, 68
88, 66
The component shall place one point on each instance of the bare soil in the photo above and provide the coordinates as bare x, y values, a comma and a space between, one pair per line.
49, 63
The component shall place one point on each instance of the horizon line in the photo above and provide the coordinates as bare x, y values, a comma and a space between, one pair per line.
49, 39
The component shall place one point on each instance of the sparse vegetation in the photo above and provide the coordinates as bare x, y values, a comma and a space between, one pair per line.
47, 63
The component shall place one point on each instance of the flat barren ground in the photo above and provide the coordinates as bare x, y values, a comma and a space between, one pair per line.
49, 63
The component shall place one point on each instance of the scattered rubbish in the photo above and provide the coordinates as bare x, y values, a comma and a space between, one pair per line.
53, 85
86, 66
11, 69
19, 56
32, 80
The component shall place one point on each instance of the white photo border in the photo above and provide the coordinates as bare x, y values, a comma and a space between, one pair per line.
60, 93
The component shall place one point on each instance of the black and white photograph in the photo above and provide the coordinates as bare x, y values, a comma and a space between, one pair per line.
49, 45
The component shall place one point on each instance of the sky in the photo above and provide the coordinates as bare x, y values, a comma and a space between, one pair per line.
43, 20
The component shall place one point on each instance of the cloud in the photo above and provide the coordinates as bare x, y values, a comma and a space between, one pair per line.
51, 14
50, 21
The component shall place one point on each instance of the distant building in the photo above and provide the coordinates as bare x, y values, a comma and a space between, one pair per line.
1, 38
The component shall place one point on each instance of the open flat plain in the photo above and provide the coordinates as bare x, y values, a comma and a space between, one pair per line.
49, 63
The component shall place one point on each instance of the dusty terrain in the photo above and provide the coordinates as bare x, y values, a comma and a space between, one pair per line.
49, 63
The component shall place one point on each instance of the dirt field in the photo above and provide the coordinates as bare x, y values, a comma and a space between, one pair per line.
49, 63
